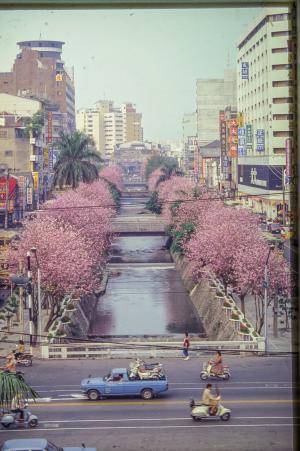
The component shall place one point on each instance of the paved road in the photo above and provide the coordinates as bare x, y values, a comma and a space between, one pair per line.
259, 394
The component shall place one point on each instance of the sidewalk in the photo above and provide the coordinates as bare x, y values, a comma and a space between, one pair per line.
283, 343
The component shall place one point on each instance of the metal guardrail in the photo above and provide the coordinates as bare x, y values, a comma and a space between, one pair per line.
145, 349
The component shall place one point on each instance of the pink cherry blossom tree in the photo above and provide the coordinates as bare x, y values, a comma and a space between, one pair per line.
114, 175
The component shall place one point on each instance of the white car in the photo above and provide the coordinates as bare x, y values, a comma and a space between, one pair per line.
38, 444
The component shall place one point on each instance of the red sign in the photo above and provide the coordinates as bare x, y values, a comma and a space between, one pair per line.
49, 127
12, 185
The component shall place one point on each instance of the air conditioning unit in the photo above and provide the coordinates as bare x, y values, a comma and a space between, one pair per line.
33, 158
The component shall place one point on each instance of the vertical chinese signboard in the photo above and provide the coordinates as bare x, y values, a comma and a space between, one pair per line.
245, 71
49, 140
233, 138
260, 140
222, 126
249, 138
288, 163
241, 141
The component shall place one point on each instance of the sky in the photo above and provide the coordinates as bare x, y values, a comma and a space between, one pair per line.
151, 58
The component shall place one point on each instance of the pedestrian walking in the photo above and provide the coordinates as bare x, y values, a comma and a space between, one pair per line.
186, 345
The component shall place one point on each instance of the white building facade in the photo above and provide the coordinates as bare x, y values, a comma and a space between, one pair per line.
265, 92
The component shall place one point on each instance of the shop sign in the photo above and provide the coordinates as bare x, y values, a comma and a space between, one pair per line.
242, 141
46, 157
249, 137
35, 176
245, 71
29, 196
264, 177
260, 140
49, 139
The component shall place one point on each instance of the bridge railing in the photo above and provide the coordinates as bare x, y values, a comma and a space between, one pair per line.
146, 350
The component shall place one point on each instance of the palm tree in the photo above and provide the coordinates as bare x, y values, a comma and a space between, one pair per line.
11, 385
76, 161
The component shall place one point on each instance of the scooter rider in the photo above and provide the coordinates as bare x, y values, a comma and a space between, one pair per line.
10, 364
18, 405
20, 349
209, 400
216, 363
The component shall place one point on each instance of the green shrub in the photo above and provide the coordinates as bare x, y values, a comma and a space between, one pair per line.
153, 204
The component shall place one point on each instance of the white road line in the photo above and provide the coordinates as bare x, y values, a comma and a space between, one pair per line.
196, 426
154, 419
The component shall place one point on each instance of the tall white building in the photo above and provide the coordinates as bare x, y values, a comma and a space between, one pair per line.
265, 91
213, 95
109, 126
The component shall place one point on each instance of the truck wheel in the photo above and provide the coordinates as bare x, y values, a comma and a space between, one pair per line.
93, 395
147, 393
203, 376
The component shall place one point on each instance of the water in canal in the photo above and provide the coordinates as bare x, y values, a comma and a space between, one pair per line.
144, 294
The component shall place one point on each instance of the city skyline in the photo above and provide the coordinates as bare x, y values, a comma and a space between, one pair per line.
148, 57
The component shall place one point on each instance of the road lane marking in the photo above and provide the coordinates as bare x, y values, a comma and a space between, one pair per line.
155, 419
213, 425
154, 402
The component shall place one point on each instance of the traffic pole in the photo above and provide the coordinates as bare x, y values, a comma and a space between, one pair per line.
30, 302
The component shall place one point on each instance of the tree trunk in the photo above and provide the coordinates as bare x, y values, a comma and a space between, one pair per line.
242, 298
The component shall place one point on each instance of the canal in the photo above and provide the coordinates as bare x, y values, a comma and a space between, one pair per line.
144, 293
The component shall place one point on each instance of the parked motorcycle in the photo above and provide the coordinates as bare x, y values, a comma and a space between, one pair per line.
143, 370
200, 412
24, 359
209, 372
13, 419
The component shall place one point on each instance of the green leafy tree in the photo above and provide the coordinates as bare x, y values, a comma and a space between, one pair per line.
34, 124
77, 161
153, 204
169, 165
11, 385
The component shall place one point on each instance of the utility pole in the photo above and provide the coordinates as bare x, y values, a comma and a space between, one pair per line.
266, 287
34, 251
6, 200
283, 198
29, 301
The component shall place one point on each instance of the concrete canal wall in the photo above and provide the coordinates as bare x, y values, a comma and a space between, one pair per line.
217, 326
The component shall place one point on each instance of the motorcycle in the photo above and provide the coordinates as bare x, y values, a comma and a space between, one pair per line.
200, 412
13, 419
24, 359
144, 370
208, 371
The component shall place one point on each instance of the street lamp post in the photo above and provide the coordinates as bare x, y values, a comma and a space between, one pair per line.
33, 250
266, 283
29, 301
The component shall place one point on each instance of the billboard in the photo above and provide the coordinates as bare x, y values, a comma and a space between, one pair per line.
261, 176
260, 140
245, 71
242, 141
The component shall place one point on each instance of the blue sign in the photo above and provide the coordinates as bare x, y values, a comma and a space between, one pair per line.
241, 141
260, 140
264, 177
245, 71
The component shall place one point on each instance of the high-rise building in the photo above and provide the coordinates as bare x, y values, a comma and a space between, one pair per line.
110, 126
133, 130
212, 96
266, 101
39, 72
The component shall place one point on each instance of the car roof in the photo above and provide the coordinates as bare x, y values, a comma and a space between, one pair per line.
119, 370
22, 444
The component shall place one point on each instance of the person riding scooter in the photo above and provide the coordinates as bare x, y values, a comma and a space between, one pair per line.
217, 363
209, 400
20, 349
18, 406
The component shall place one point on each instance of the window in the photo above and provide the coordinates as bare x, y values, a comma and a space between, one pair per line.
282, 83
280, 50
19, 133
283, 100
283, 134
283, 117
280, 33
8, 153
280, 150
281, 66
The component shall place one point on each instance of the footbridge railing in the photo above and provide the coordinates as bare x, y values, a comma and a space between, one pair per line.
147, 349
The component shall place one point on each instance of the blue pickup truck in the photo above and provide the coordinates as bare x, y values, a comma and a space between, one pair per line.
119, 383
